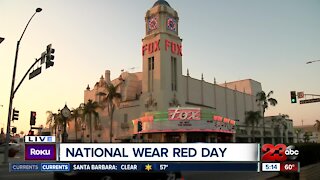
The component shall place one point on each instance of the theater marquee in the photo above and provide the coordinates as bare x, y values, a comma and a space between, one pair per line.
184, 119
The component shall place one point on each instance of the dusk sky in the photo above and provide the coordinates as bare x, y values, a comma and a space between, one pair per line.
267, 41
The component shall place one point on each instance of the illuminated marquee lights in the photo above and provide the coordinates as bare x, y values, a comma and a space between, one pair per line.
181, 114
185, 119
222, 119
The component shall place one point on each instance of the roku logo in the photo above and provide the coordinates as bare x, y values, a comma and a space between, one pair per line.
39, 152
280, 152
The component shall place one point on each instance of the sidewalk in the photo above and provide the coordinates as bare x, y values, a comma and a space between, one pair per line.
2, 165
18, 158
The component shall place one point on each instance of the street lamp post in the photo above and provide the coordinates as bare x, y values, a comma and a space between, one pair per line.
12, 89
66, 113
309, 62
81, 112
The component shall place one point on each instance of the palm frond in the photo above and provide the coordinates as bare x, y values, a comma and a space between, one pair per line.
272, 101
264, 100
269, 94
253, 117
317, 125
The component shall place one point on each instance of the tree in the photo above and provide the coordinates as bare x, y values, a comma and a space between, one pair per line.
75, 115
279, 121
297, 132
54, 120
89, 110
306, 137
264, 101
112, 96
317, 125
252, 118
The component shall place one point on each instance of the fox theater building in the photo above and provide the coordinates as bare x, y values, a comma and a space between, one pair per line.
160, 104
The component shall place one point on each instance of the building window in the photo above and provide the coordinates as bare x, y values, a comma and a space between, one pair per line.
150, 73
173, 74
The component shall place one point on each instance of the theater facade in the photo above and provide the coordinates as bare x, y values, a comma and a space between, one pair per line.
168, 105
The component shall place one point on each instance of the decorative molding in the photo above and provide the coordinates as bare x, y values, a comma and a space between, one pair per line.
202, 105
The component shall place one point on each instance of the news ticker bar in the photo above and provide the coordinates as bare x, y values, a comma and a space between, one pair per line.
132, 167
280, 166
45, 148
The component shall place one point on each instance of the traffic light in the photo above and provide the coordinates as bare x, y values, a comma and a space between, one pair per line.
33, 117
14, 130
293, 97
139, 126
49, 56
15, 115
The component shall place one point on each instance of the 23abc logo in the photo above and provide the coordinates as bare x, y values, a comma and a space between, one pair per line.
279, 152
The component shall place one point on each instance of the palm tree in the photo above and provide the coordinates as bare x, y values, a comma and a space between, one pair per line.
112, 96
297, 132
279, 121
75, 115
252, 118
89, 110
306, 137
264, 101
317, 126
54, 120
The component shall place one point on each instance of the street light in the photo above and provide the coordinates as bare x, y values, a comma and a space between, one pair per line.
66, 113
309, 62
12, 89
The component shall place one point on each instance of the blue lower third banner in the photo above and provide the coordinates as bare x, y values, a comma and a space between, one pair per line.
24, 167
39, 167
159, 166
60, 167
133, 167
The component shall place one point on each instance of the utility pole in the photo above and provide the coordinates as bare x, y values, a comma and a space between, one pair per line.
6, 153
